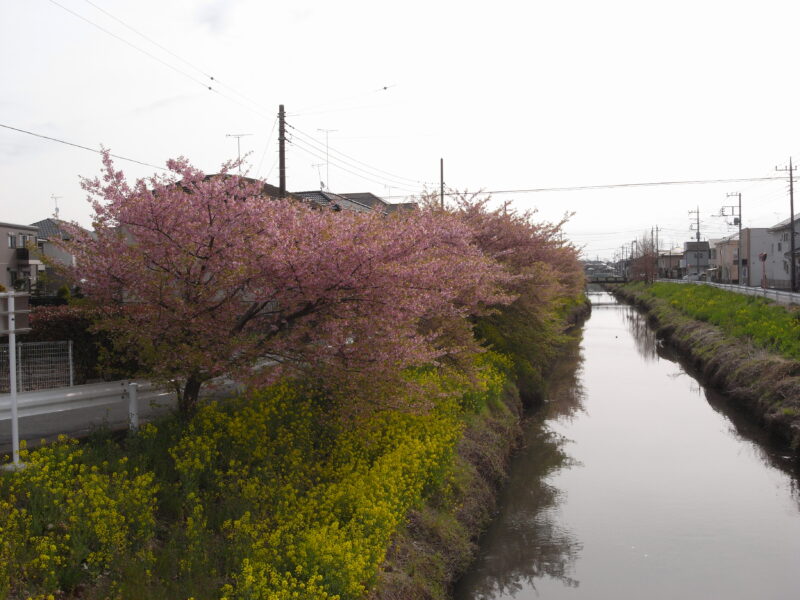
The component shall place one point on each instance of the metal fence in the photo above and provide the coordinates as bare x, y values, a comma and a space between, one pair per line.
40, 366
779, 296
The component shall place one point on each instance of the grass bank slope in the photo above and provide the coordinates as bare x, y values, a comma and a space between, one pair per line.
745, 346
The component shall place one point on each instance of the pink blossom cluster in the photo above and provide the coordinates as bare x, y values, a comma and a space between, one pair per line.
200, 276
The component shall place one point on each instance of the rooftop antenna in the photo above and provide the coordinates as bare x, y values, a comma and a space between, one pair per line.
319, 174
238, 137
55, 201
327, 159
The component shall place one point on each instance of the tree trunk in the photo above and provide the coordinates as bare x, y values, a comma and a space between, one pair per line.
187, 401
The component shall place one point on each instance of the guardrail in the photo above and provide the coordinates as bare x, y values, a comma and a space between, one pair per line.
92, 395
779, 296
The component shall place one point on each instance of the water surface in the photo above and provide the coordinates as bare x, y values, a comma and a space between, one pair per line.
636, 482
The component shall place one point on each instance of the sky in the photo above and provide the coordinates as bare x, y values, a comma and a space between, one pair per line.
513, 96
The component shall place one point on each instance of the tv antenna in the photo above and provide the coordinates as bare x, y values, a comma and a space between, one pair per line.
318, 166
55, 201
327, 158
238, 137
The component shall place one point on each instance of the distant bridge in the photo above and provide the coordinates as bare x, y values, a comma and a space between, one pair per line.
605, 278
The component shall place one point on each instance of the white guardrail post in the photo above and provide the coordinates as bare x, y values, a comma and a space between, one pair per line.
133, 406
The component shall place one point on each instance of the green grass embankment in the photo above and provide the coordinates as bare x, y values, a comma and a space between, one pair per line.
265, 496
271, 495
745, 346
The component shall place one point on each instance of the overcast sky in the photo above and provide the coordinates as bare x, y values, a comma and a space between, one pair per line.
513, 95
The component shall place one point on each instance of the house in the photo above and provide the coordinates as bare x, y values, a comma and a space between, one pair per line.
378, 203
755, 241
323, 199
669, 263
50, 230
19, 265
725, 259
695, 261
778, 260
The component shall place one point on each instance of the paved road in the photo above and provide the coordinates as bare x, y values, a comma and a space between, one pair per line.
76, 422
82, 422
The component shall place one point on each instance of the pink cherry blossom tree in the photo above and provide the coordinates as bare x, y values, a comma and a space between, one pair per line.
547, 280
199, 276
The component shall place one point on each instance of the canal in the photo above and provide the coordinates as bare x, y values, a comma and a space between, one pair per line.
636, 482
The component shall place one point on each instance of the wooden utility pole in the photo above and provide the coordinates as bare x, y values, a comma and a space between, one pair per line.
792, 268
282, 150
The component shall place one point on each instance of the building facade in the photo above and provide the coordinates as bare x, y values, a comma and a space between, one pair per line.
19, 262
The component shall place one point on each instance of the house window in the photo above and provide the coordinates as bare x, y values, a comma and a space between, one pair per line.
779, 246
12, 240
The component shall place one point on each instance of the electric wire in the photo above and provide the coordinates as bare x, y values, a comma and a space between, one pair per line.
378, 172
581, 188
52, 139
161, 61
174, 55
269, 141
311, 151
323, 155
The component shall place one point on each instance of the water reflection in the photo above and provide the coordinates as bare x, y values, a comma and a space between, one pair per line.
742, 423
678, 497
527, 540
760, 442
644, 337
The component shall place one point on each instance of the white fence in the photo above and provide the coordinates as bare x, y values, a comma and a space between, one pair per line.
40, 365
779, 296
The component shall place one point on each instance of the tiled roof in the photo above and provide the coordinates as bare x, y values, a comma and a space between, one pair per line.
367, 198
323, 198
50, 228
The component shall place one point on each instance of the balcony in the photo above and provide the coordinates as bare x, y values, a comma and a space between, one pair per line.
24, 257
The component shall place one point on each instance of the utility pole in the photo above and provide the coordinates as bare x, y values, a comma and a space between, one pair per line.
737, 219
441, 182
282, 150
792, 268
238, 137
327, 159
657, 253
697, 247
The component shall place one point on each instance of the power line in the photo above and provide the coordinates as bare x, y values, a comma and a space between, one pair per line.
381, 173
134, 46
173, 54
311, 151
159, 60
579, 188
342, 164
52, 139
269, 141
